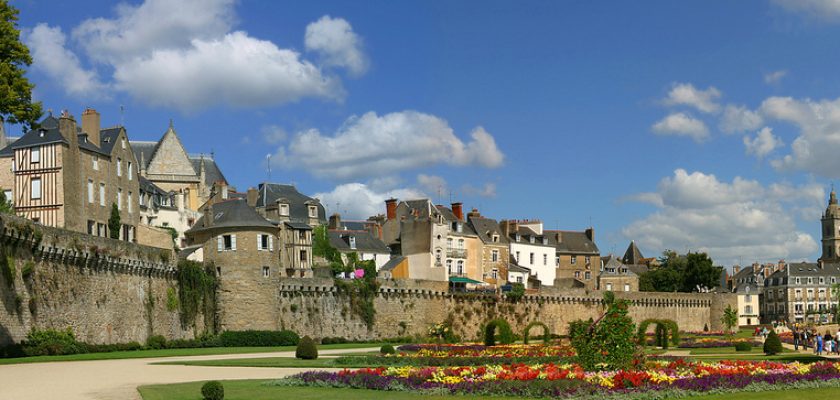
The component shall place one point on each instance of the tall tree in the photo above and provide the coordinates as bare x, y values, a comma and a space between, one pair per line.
16, 105
681, 273
114, 222
729, 318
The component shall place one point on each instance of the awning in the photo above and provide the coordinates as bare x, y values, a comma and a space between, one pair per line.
461, 279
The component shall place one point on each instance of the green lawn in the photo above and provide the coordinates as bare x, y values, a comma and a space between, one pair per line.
255, 390
271, 362
729, 350
172, 353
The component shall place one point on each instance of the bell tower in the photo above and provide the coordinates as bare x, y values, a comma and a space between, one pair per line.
831, 230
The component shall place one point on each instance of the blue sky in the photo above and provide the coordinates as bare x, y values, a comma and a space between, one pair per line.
701, 125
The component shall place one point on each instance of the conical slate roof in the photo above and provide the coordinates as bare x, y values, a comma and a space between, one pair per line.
632, 256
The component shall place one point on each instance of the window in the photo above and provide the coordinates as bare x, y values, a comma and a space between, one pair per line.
609, 286
9, 196
588, 275
95, 163
90, 191
531, 239
123, 142
574, 260
577, 274
102, 194
626, 287
449, 266
460, 267
130, 171
748, 310
266, 272
437, 256
748, 298
119, 167
460, 243
128, 202
313, 212
352, 242
265, 242
101, 229
35, 155
119, 199
545, 259
226, 243
532, 259
284, 209
35, 188
91, 227
517, 256
494, 273
556, 261
495, 238
587, 260
494, 255
448, 243
142, 199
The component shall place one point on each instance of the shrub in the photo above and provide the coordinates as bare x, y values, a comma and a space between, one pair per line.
156, 342
213, 390
387, 349
743, 346
50, 342
306, 349
608, 340
505, 333
334, 340
546, 336
705, 327
772, 345
252, 338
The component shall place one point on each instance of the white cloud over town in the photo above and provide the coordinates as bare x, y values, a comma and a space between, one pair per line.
738, 119
682, 124
819, 9
772, 78
818, 139
371, 145
688, 95
359, 201
187, 55
729, 220
763, 144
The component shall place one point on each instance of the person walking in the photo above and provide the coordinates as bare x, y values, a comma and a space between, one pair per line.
818, 344
796, 340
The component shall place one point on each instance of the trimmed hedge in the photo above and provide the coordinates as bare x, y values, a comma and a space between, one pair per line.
387, 349
251, 338
772, 345
213, 390
156, 342
306, 349
506, 335
743, 346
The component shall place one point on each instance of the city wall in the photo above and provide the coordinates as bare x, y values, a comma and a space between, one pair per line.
106, 291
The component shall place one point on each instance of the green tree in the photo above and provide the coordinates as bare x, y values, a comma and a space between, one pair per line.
114, 222
16, 105
681, 273
6, 206
729, 318
608, 340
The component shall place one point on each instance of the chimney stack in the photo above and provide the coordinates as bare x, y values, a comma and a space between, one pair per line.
91, 125
252, 196
736, 269
391, 209
458, 210
473, 214
335, 222
208, 216
590, 233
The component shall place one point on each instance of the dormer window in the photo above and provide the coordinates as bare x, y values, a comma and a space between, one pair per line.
518, 237
544, 241
284, 209
495, 238
531, 239
313, 212
123, 142
352, 240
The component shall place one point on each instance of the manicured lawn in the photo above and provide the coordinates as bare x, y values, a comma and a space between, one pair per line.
729, 350
255, 390
172, 353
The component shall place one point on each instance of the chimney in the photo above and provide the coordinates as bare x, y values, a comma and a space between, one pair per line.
559, 237
391, 208
509, 227
590, 233
91, 125
67, 128
473, 214
736, 269
335, 222
208, 216
458, 210
252, 196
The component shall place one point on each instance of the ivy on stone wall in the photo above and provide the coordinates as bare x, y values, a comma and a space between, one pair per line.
196, 287
362, 293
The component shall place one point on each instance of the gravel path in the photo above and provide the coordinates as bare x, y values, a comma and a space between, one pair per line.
119, 379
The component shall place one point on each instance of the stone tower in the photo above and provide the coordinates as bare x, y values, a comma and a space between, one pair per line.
831, 230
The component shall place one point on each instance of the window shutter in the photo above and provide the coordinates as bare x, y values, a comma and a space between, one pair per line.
221, 243
270, 243
259, 242
233, 242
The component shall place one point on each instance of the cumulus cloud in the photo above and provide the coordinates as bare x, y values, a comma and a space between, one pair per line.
370, 145
687, 94
359, 201
818, 143
763, 144
742, 218
187, 55
335, 41
486, 190
432, 183
774, 77
739, 119
682, 124
52, 57
822, 9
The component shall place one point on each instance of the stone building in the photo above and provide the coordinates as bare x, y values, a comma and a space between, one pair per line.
165, 210
800, 292
67, 176
531, 248
284, 203
463, 247
577, 257
614, 276
416, 230
831, 230
168, 165
359, 241
495, 254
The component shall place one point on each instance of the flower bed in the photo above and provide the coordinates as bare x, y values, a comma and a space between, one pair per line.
505, 351
564, 380
706, 343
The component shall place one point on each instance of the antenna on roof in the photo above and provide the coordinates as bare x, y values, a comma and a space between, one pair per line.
268, 164
122, 115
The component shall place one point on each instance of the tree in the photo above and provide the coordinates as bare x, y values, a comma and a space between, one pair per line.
6, 206
16, 105
772, 345
607, 340
681, 273
729, 318
114, 222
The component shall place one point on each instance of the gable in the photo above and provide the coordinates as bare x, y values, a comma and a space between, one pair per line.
170, 158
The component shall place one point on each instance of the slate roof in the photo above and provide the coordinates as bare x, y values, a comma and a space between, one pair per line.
572, 242
485, 228
232, 214
298, 225
108, 138
513, 267
617, 266
298, 209
633, 255
803, 270
143, 152
51, 134
526, 233
638, 269
212, 173
392, 263
365, 242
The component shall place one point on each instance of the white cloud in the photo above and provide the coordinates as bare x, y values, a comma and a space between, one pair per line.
186, 55
335, 41
687, 94
816, 148
728, 220
358, 201
774, 77
370, 145
432, 184
273, 134
486, 190
682, 124
763, 144
821, 9
739, 119
60, 64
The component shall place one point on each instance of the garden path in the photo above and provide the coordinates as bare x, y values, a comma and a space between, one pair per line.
119, 379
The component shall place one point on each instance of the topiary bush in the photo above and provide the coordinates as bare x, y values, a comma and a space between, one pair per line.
607, 340
743, 346
306, 349
213, 390
251, 338
526, 334
506, 335
156, 342
772, 345
387, 349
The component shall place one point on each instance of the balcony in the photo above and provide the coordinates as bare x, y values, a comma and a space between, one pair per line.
456, 253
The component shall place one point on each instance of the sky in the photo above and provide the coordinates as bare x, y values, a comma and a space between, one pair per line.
693, 125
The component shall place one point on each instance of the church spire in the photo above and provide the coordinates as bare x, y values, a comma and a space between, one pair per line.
832, 198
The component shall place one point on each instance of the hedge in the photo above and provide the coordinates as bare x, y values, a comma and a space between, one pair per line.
252, 338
